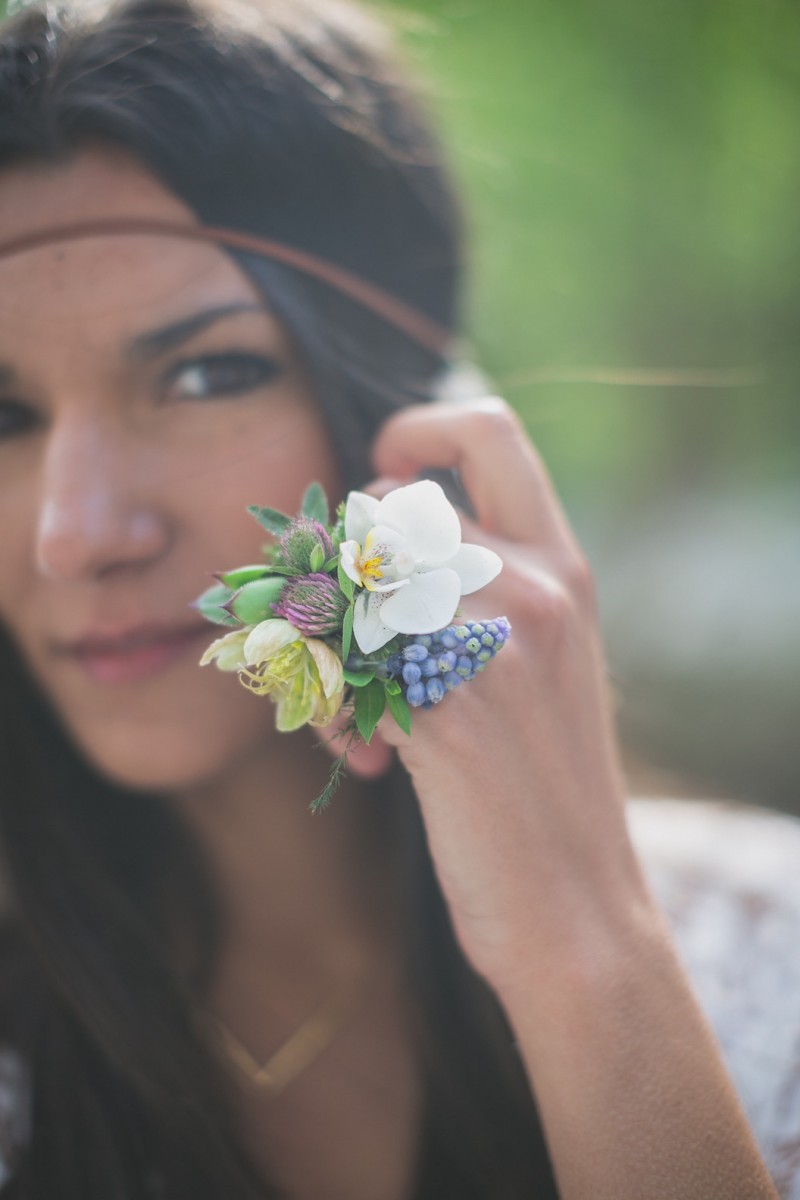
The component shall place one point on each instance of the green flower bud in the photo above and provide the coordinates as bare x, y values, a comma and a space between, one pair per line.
241, 575
253, 601
213, 605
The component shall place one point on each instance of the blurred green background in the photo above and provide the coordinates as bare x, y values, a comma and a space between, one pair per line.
632, 181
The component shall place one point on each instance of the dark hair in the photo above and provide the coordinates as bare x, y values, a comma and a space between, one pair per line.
292, 123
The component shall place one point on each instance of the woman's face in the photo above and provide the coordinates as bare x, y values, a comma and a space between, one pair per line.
146, 398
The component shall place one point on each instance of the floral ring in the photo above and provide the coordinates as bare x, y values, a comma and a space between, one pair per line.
358, 613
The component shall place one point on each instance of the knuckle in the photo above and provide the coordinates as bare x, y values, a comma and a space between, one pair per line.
548, 607
491, 417
580, 580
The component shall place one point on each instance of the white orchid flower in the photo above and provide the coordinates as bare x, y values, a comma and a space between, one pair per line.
405, 553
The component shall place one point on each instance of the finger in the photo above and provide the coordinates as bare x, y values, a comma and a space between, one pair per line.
526, 571
484, 441
363, 761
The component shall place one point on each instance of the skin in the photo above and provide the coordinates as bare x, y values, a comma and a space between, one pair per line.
120, 497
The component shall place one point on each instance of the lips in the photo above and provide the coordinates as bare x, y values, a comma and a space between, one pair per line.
134, 654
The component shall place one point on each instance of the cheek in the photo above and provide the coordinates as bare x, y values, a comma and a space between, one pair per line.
189, 724
262, 462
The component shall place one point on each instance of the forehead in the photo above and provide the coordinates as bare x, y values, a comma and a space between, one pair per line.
85, 287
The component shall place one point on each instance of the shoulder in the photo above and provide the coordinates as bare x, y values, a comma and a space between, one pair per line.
728, 878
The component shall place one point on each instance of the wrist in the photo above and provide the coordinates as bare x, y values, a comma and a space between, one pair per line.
584, 962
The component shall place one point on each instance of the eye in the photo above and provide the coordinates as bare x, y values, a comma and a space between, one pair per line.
15, 419
229, 374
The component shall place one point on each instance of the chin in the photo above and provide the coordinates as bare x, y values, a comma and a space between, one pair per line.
169, 756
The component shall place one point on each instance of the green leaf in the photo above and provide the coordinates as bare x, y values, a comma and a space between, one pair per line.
241, 575
393, 687
253, 602
316, 558
330, 565
346, 583
398, 707
269, 518
210, 605
358, 678
347, 633
370, 702
315, 504
337, 529
337, 774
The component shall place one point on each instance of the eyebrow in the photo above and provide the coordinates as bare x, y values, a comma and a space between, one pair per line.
155, 342
150, 345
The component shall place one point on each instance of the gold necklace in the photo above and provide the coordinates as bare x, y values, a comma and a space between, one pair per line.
297, 1053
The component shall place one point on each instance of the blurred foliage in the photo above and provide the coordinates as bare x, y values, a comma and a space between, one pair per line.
632, 183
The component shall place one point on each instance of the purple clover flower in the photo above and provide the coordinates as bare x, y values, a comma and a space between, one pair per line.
313, 603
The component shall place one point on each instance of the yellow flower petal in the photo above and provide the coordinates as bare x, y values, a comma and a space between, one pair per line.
328, 664
294, 709
327, 709
228, 651
267, 638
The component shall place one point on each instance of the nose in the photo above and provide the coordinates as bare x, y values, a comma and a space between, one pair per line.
97, 512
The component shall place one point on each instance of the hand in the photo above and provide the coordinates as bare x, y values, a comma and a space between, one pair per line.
520, 789
517, 772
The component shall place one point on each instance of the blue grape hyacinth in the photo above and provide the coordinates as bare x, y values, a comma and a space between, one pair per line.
432, 664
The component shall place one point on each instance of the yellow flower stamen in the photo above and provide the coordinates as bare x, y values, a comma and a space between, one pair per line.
302, 675
371, 567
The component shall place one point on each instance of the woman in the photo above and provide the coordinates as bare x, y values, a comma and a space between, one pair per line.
206, 992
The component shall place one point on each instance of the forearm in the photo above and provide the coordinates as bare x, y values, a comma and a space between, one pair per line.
634, 1098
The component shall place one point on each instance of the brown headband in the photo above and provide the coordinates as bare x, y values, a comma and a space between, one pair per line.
408, 320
